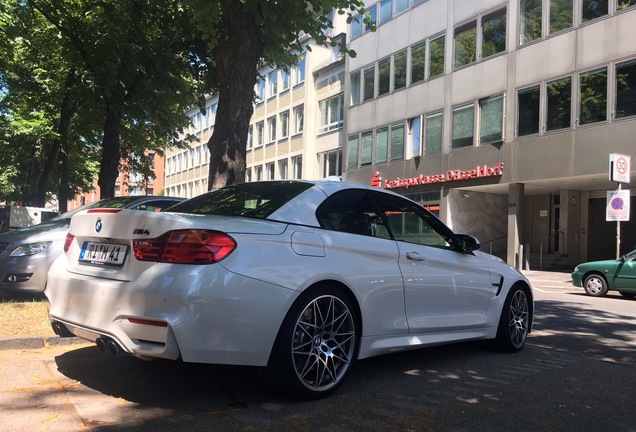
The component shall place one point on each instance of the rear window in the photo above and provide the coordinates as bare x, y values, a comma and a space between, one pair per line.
256, 200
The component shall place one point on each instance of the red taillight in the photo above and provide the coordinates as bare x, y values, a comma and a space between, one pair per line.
185, 247
68, 241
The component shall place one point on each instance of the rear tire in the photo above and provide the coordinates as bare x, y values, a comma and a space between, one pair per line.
316, 345
595, 285
515, 320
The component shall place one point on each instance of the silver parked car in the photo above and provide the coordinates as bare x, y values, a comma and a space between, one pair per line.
298, 277
26, 254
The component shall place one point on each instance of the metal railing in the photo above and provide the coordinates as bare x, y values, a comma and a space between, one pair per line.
546, 240
490, 242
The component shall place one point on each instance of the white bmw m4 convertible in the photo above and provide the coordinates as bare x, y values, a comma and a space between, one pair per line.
301, 278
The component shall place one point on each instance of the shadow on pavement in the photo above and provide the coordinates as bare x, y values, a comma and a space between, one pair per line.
581, 328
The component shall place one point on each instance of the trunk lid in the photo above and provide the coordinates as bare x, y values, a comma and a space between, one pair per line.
103, 239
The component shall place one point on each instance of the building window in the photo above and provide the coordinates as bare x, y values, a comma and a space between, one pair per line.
436, 56
418, 59
414, 148
248, 175
373, 18
592, 9
463, 126
593, 94
258, 173
299, 71
273, 83
465, 44
250, 137
384, 76
282, 169
299, 119
491, 119
331, 163
352, 151
530, 21
561, 14
528, 101
397, 141
402, 5
269, 171
559, 98
626, 89
284, 80
386, 10
260, 90
356, 26
284, 124
213, 109
493, 33
260, 133
331, 113
369, 83
297, 167
381, 145
271, 129
354, 91
366, 144
433, 137
399, 70
623, 4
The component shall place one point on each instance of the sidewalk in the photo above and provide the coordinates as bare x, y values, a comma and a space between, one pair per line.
549, 280
538, 279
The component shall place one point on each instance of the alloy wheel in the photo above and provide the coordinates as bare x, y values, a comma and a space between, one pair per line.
323, 343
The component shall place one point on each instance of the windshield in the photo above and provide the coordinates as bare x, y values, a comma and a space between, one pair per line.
257, 200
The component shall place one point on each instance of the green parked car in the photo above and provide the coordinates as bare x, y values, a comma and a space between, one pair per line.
598, 277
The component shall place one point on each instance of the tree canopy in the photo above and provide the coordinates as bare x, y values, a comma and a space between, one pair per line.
88, 86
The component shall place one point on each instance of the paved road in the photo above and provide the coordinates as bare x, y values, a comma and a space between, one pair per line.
577, 373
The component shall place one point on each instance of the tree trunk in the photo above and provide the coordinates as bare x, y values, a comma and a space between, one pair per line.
238, 52
111, 154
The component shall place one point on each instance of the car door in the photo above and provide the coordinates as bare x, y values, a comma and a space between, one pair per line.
445, 288
358, 247
626, 273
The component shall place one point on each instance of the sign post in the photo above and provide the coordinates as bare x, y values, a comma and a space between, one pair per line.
618, 201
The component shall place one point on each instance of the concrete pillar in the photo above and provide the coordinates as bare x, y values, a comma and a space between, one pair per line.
515, 212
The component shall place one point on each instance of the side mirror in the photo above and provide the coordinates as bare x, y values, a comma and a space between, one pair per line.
468, 243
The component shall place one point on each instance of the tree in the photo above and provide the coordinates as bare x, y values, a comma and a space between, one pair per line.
39, 102
244, 35
136, 55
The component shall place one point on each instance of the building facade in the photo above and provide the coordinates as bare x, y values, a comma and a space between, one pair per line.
129, 183
500, 115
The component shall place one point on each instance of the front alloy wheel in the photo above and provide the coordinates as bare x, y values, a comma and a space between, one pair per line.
515, 321
595, 285
316, 347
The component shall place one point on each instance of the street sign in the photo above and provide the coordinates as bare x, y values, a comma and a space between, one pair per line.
617, 205
619, 168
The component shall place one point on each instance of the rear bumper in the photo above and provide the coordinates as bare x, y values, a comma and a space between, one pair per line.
201, 314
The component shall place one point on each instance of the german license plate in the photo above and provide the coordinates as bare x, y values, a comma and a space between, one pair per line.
103, 254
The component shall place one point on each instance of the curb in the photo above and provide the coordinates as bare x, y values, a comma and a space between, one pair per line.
35, 342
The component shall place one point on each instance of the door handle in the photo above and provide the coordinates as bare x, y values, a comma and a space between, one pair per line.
414, 256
